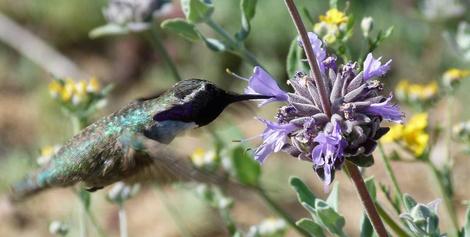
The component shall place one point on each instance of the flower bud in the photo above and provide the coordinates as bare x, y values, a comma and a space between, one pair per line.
367, 24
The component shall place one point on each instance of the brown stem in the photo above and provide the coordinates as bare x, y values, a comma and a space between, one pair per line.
312, 60
366, 199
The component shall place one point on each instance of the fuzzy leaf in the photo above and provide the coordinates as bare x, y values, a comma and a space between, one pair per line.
409, 201
370, 184
85, 198
214, 44
311, 227
294, 59
248, 10
366, 227
333, 198
246, 169
329, 218
197, 11
303, 192
182, 28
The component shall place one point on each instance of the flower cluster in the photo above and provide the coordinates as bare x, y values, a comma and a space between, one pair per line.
412, 93
331, 25
452, 77
78, 97
413, 136
304, 130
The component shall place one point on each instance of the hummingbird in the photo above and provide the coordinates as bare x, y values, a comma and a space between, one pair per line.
112, 148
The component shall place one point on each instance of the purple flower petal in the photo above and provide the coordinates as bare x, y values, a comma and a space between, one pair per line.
320, 52
386, 110
274, 138
330, 147
374, 68
262, 83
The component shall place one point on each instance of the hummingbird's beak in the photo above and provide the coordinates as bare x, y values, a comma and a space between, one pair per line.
237, 97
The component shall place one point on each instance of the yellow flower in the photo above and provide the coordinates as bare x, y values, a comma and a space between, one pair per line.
416, 92
93, 85
395, 134
80, 92
454, 75
334, 17
413, 134
55, 88
68, 90
46, 154
202, 158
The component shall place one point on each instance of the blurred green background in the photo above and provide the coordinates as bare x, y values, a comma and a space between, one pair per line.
29, 119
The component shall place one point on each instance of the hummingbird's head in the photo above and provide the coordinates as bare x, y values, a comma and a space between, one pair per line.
200, 101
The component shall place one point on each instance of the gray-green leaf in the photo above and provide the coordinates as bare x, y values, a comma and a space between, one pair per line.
311, 227
109, 29
329, 218
248, 10
466, 227
333, 198
303, 192
197, 11
182, 28
246, 169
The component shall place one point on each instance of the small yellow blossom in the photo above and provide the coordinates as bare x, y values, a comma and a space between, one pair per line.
413, 134
55, 88
334, 17
202, 158
46, 154
80, 92
330, 25
68, 90
93, 85
416, 92
454, 75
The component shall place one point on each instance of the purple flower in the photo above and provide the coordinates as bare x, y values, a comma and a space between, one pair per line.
374, 68
330, 147
262, 83
386, 110
320, 52
274, 139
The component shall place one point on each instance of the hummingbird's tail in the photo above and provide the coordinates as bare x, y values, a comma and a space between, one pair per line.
26, 188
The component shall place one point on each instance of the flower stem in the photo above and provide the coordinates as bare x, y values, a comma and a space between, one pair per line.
366, 199
122, 221
239, 49
390, 173
155, 40
172, 211
312, 60
447, 200
390, 222
276, 208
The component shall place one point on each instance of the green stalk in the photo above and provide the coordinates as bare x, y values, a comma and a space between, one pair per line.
390, 173
390, 222
155, 40
445, 196
172, 211
238, 48
278, 209
122, 221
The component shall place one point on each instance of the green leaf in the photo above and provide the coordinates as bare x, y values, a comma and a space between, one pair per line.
409, 201
366, 227
109, 29
303, 192
333, 198
329, 218
182, 28
248, 10
311, 227
246, 169
362, 161
294, 59
197, 11
466, 227
214, 44
370, 184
